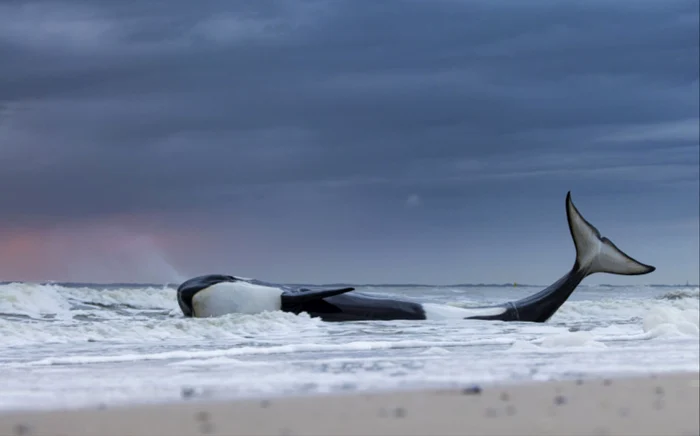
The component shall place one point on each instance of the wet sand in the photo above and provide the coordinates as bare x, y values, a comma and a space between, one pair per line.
652, 405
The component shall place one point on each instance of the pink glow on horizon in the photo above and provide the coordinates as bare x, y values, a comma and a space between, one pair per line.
128, 249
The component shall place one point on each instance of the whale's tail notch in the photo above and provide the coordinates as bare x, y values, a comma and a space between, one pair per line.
596, 253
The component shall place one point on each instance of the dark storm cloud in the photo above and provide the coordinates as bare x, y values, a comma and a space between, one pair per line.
117, 107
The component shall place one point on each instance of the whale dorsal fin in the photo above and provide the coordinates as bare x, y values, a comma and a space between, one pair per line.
305, 295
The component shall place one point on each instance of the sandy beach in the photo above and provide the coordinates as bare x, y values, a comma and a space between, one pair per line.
652, 405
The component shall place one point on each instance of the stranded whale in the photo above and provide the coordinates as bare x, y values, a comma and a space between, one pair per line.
217, 294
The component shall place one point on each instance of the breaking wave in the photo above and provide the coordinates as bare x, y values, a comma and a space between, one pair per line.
54, 313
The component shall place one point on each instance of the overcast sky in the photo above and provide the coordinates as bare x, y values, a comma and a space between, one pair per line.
354, 141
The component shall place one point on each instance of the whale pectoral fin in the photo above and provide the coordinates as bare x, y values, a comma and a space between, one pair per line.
307, 295
296, 301
300, 301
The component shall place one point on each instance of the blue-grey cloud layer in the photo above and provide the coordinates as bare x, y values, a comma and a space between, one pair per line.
406, 125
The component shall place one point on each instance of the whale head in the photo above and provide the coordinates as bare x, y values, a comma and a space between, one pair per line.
188, 289
216, 295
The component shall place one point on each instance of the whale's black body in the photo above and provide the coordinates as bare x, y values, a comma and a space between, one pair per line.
358, 306
593, 254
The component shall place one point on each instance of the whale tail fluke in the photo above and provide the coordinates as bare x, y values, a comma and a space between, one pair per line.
596, 253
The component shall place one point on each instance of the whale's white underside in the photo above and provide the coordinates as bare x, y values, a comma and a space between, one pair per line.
236, 297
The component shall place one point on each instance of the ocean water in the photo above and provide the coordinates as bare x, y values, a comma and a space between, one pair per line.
73, 345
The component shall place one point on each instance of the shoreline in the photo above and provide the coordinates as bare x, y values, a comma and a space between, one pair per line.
665, 404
